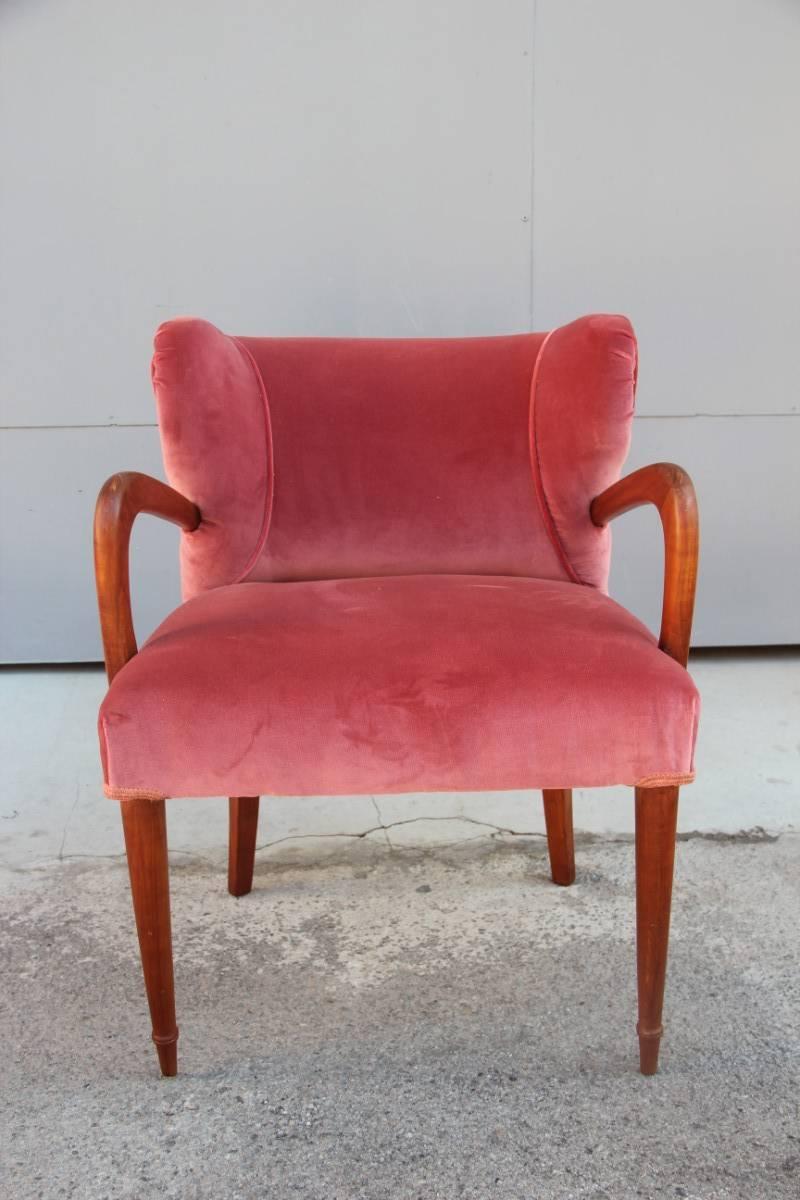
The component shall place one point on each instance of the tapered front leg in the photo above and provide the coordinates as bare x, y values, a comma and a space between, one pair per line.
656, 825
145, 827
560, 838
243, 827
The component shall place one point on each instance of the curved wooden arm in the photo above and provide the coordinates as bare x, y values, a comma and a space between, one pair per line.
672, 492
121, 499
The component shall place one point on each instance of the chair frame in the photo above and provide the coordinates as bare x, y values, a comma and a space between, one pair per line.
124, 496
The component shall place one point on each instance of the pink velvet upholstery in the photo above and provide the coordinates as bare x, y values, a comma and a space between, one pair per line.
402, 683
322, 458
396, 584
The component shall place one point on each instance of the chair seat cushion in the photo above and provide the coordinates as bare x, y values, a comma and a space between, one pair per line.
411, 683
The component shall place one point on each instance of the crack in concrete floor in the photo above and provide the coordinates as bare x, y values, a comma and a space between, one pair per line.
745, 836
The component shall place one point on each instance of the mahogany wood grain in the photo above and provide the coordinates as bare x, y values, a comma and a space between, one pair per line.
145, 826
242, 830
656, 825
670, 489
560, 838
121, 500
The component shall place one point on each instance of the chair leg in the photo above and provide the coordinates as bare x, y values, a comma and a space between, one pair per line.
243, 826
560, 839
145, 828
656, 825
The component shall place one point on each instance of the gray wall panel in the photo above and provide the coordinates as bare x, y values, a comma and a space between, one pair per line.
398, 169
748, 488
277, 168
667, 186
49, 480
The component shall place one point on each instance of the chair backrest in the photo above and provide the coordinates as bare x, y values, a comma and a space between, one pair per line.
315, 458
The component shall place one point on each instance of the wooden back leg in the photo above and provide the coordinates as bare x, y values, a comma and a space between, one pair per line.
656, 825
560, 838
243, 827
145, 827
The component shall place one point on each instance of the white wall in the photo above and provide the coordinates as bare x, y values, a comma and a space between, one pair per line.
457, 167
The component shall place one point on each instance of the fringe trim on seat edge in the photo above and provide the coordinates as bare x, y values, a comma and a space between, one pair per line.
115, 793
654, 781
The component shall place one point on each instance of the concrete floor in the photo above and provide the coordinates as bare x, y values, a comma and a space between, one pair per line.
404, 1006
408, 1023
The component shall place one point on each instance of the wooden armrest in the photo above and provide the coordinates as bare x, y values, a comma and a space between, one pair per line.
121, 499
672, 492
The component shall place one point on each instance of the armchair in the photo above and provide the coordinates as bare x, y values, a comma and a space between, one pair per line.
394, 562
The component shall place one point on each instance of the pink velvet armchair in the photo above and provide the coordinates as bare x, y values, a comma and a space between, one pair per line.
394, 563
